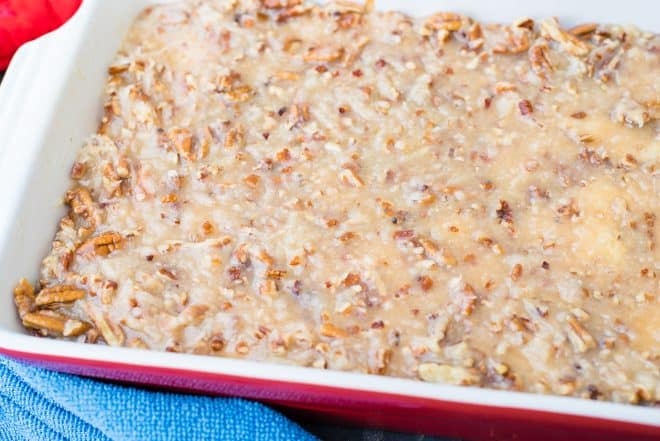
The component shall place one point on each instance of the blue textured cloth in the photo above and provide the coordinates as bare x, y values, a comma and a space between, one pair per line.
37, 404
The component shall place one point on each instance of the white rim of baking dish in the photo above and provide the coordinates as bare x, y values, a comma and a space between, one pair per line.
44, 65
329, 378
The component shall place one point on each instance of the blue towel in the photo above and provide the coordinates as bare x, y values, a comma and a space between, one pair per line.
37, 404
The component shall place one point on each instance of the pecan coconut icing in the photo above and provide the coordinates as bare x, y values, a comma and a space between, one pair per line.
336, 187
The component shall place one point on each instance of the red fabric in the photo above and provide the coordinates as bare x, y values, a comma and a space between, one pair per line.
25, 20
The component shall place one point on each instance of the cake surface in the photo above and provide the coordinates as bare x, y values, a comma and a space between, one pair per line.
334, 187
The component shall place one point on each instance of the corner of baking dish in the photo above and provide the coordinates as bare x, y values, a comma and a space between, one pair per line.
28, 96
31, 95
40, 104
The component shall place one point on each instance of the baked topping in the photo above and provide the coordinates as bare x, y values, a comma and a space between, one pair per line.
329, 186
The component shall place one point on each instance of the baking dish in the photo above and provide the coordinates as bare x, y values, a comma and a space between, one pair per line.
50, 102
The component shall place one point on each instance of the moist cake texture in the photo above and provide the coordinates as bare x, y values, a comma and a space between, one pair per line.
330, 186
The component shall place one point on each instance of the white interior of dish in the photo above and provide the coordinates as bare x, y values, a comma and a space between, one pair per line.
50, 102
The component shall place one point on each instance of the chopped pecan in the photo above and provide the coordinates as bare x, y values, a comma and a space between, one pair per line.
59, 294
348, 20
169, 198
78, 170
74, 328
24, 297
517, 41
137, 343
279, 4
111, 332
525, 107
352, 279
504, 213
269, 288
123, 168
118, 68
463, 295
234, 273
182, 140
349, 177
443, 373
550, 29
252, 181
238, 94
524, 22
332, 331
539, 60
445, 21
433, 251
323, 54
379, 361
166, 274
516, 272
46, 322
579, 337
347, 236
403, 234
583, 30
603, 61
234, 137
101, 245
82, 205
425, 282
631, 113
503, 87
275, 274
299, 114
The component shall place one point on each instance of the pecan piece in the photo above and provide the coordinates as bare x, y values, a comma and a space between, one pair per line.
111, 332
443, 373
234, 138
269, 288
425, 282
403, 234
525, 107
101, 245
434, 252
279, 4
550, 29
78, 170
182, 141
583, 30
539, 60
53, 323
504, 213
275, 274
350, 178
379, 360
579, 337
82, 205
516, 272
74, 328
238, 94
352, 279
444, 21
169, 198
252, 180
517, 41
115, 69
24, 297
332, 331
59, 294
323, 54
